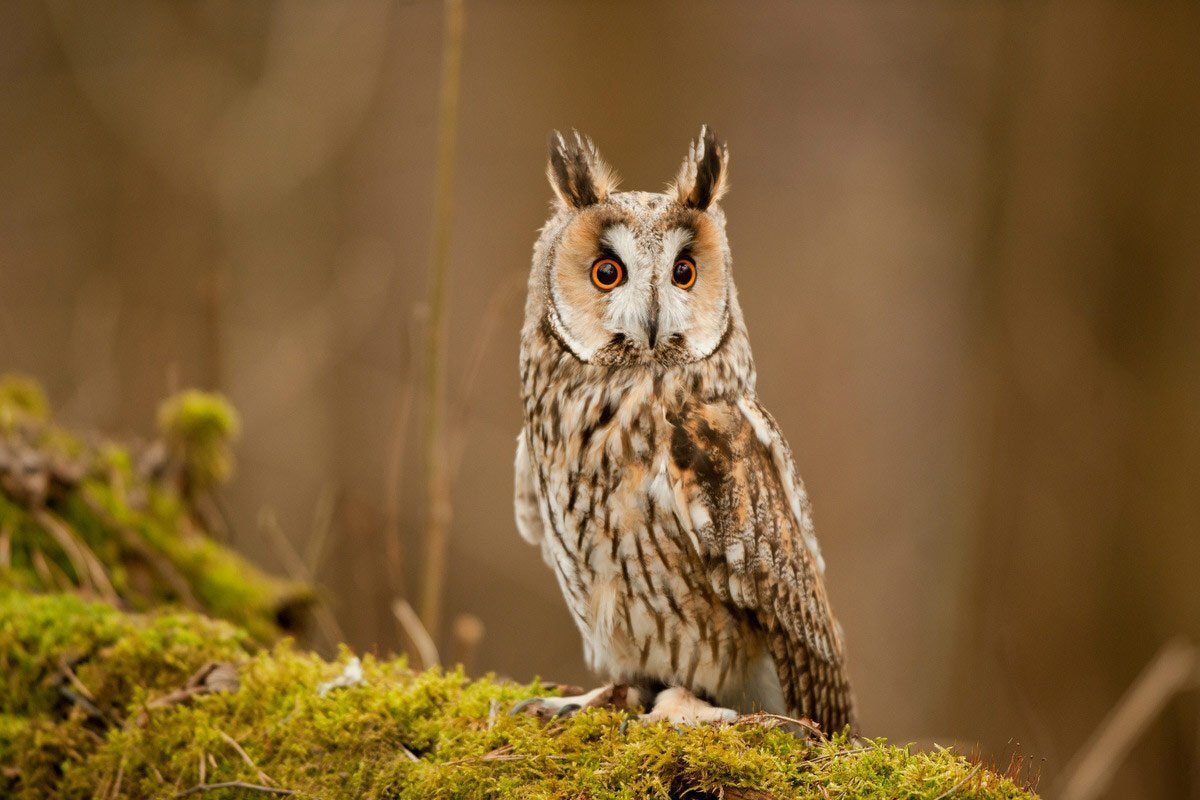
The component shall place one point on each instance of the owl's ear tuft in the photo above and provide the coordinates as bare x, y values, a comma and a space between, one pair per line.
702, 178
576, 171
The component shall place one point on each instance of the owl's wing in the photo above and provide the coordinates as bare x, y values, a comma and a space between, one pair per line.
525, 498
748, 516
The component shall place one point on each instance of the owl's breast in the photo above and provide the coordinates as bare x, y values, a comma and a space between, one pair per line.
629, 569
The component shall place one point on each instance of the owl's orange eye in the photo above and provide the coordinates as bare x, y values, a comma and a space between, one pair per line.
607, 273
684, 273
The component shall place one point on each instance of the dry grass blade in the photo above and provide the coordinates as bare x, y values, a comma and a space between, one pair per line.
503, 753
88, 567
162, 565
416, 633
839, 754
961, 783
115, 792
65, 667
41, 568
297, 570
250, 787
262, 776
1176, 668
323, 515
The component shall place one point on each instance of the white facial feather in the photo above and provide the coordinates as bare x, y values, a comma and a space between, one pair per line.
675, 312
564, 319
628, 305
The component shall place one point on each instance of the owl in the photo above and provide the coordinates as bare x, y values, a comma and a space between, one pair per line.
660, 490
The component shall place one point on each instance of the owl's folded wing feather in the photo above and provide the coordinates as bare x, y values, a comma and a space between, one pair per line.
738, 495
525, 498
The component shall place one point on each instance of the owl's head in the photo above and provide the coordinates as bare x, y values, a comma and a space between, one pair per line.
627, 278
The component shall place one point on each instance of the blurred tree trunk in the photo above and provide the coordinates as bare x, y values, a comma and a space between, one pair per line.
1088, 398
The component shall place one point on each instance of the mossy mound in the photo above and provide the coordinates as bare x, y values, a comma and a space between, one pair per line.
135, 526
99, 703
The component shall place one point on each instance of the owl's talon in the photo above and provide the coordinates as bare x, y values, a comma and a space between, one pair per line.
612, 696
524, 704
682, 708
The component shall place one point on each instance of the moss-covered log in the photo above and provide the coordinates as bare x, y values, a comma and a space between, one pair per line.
100, 703
130, 524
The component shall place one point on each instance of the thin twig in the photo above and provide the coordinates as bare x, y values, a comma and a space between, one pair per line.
807, 725
297, 570
437, 521
502, 753
393, 485
252, 787
961, 783
262, 776
323, 515
505, 293
838, 754
416, 632
456, 438
293, 564
511, 757
1174, 669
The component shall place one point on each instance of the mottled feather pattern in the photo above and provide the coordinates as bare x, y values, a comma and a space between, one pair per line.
659, 489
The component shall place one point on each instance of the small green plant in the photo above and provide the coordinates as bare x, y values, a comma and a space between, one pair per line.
21, 399
198, 428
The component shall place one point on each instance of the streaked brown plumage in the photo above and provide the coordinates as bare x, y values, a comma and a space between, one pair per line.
660, 490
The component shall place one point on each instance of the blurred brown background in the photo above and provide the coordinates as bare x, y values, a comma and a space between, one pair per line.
966, 236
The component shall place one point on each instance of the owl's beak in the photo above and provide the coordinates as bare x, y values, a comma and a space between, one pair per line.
652, 322
652, 333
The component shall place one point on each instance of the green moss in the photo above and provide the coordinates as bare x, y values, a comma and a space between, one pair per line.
21, 399
127, 523
198, 427
92, 699
399, 734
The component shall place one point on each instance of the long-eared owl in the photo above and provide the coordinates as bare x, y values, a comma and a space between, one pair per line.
661, 492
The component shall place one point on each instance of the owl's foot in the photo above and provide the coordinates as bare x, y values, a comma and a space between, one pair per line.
614, 695
680, 707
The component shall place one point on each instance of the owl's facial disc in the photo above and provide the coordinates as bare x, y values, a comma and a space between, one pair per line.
640, 279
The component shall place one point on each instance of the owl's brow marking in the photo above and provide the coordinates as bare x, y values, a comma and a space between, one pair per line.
620, 238
676, 240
